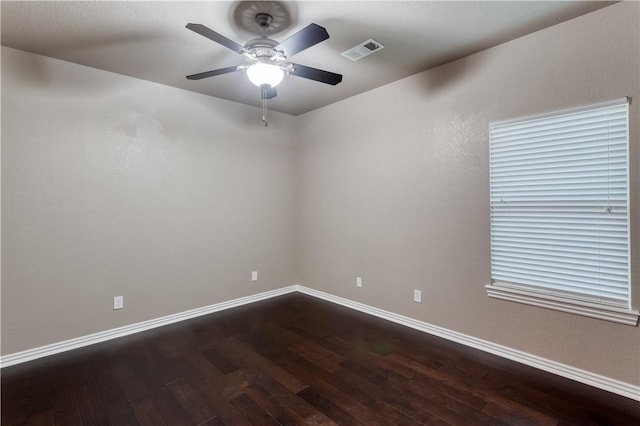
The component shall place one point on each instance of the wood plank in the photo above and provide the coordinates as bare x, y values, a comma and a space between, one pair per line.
204, 367
193, 403
67, 418
169, 408
355, 386
474, 386
319, 355
42, 418
433, 402
234, 384
252, 411
15, 398
256, 363
344, 400
90, 405
132, 385
389, 412
220, 361
280, 412
327, 407
301, 407
295, 360
147, 412
224, 410
117, 408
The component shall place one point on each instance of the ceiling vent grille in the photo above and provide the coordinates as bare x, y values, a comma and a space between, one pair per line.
363, 49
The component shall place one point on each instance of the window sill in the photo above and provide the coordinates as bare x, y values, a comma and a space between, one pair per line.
564, 304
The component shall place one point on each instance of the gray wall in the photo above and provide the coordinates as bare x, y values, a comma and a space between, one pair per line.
112, 185
117, 186
394, 187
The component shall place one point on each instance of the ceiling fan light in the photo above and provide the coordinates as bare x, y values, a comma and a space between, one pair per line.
261, 73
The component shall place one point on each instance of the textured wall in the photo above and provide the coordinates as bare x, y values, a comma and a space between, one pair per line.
394, 186
116, 186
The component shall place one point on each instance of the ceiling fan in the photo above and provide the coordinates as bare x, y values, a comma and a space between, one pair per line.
267, 61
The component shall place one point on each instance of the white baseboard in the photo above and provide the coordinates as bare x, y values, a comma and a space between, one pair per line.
598, 381
601, 382
79, 342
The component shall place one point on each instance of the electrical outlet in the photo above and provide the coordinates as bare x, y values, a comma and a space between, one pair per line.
417, 296
118, 302
254, 275
358, 281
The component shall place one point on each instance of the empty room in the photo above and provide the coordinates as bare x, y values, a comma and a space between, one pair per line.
313, 212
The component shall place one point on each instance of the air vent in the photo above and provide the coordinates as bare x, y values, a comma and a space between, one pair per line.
363, 49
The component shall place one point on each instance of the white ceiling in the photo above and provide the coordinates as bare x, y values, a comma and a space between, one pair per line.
148, 40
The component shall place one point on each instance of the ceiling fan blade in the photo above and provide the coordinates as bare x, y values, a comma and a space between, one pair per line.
316, 74
213, 72
268, 92
218, 38
309, 36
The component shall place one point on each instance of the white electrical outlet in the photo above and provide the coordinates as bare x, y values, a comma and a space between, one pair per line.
358, 281
254, 275
118, 302
417, 296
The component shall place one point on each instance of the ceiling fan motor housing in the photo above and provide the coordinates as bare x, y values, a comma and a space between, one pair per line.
262, 49
264, 20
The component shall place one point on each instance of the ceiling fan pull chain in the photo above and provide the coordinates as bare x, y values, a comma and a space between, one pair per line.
264, 110
264, 95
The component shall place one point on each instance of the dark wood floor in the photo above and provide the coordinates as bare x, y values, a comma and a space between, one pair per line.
295, 360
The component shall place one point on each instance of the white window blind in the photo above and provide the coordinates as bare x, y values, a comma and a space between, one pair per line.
559, 203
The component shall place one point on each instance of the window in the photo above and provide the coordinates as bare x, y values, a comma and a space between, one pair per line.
559, 211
